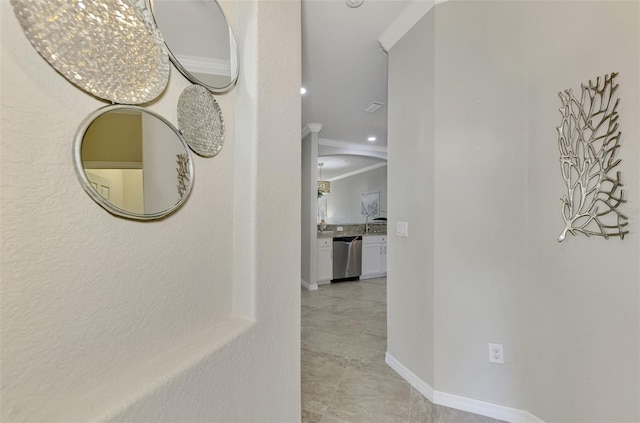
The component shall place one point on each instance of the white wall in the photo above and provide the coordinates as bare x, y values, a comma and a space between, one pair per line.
479, 202
309, 266
192, 318
410, 265
343, 202
499, 274
582, 294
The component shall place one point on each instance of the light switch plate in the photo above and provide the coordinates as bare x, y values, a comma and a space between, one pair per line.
339, 229
402, 229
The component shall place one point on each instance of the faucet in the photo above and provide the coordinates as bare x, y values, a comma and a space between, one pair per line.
366, 223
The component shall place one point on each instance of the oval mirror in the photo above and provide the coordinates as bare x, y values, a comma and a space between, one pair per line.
200, 41
133, 162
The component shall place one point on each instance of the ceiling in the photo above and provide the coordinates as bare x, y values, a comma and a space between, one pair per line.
341, 165
344, 69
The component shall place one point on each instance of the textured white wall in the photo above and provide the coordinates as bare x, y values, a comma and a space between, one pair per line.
105, 318
343, 203
499, 273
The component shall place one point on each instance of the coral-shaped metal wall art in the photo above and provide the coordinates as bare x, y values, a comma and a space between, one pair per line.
589, 140
183, 173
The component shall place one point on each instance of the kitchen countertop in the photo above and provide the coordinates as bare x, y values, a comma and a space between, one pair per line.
356, 229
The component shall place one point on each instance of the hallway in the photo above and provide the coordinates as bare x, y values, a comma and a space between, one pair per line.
344, 376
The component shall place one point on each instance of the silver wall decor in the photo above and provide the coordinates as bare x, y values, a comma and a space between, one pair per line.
184, 176
589, 141
109, 48
370, 204
200, 121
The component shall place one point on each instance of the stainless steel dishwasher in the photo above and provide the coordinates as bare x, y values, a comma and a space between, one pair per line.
347, 258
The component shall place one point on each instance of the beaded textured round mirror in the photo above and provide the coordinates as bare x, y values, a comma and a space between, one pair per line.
109, 48
200, 121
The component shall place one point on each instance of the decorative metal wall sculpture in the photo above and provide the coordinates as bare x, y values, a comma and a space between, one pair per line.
183, 173
588, 139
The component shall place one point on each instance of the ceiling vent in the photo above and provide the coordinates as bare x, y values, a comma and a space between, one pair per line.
373, 107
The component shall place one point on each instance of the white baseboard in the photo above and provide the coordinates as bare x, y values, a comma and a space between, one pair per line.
308, 286
419, 384
373, 276
500, 412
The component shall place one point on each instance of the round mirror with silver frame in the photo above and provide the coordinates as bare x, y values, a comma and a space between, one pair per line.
133, 162
200, 41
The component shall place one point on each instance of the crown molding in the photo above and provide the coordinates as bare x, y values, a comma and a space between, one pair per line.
351, 145
357, 172
205, 65
311, 127
406, 20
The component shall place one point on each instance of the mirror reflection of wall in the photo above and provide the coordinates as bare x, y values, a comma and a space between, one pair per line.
112, 159
345, 204
131, 159
160, 151
199, 40
350, 176
322, 209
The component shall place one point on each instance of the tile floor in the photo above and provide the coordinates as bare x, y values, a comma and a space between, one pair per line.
344, 376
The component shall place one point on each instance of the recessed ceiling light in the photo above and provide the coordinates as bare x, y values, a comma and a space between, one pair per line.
371, 139
303, 90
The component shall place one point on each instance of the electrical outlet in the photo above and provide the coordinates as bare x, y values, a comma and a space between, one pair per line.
496, 353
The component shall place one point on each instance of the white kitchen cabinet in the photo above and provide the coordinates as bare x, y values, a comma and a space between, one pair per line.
325, 260
374, 256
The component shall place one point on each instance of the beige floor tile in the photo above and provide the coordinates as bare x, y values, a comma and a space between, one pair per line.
316, 396
367, 344
329, 419
366, 398
326, 335
320, 368
420, 409
451, 415
344, 376
374, 365
376, 328
310, 417
334, 353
